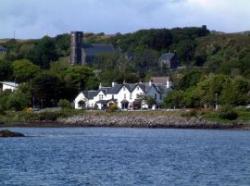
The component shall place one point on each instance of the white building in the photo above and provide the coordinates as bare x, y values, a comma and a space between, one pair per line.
5, 85
126, 96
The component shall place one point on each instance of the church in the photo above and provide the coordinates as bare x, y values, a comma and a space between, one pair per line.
82, 53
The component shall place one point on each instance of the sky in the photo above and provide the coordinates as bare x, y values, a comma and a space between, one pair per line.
36, 18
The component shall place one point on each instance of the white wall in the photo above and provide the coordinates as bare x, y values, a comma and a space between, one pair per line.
8, 87
80, 97
123, 94
120, 96
137, 91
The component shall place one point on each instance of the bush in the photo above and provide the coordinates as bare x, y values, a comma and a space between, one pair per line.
17, 101
64, 104
228, 113
112, 108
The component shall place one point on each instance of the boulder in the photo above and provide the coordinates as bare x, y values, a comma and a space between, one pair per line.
7, 133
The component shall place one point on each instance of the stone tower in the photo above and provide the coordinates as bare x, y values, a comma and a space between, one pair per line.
76, 48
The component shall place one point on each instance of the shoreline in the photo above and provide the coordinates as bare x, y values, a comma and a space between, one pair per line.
49, 124
164, 120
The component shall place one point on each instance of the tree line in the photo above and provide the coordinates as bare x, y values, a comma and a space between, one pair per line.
214, 68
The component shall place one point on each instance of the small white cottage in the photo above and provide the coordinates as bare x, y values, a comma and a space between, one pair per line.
126, 96
6, 85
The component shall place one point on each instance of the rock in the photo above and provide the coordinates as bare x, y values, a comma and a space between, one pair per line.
7, 133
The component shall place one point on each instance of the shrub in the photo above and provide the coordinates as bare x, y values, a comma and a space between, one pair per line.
228, 113
112, 108
64, 104
17, 101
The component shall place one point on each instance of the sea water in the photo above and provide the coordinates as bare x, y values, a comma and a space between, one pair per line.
121, 156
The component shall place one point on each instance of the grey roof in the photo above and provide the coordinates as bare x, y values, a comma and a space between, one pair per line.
96, 49
91, 93
130, 86
115, 89
168, 56
160, 80
12, 84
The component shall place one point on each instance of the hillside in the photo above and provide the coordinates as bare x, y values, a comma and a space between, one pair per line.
214, 66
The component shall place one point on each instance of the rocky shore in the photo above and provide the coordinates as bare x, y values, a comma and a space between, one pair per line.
138, 120
142, 119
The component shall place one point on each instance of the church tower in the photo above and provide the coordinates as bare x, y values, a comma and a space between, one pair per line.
76, 48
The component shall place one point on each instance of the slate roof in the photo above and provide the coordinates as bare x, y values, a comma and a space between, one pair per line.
160, 80
12, 84
168, 56
91, 93
97, 49
114, 90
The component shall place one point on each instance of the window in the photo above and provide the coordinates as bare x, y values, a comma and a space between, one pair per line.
155, 96
100, 97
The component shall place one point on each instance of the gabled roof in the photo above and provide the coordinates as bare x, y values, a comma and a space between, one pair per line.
11, 84
168, 56
145, 87
90, 94
160, 80
96, 49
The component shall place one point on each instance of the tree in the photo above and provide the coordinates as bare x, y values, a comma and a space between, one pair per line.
24, 70
150, 101
190, 79
174, 99
17, 101
77, 78
46, 89
210, 89
45, 52
236, 92
64, 104
5, 70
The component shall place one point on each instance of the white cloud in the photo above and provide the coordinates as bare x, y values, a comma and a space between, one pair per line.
35, 18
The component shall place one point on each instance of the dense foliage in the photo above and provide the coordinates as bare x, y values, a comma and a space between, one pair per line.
215, 68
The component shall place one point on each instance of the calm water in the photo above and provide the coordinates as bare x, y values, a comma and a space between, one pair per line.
95, 156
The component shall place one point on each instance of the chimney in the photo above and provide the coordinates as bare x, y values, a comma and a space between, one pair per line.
150, 83
113, 84
168, 83
100, 85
